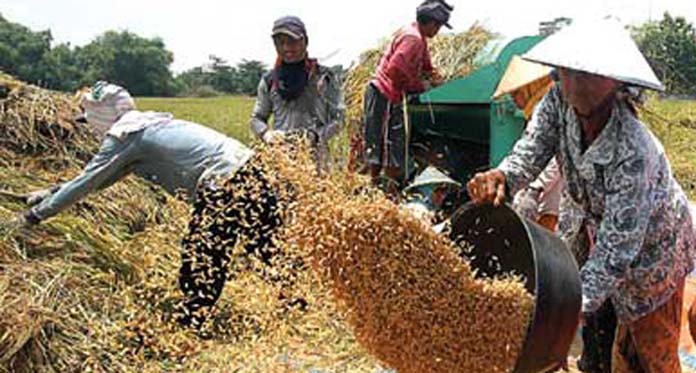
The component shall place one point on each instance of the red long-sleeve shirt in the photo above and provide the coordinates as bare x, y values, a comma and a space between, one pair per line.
406, 61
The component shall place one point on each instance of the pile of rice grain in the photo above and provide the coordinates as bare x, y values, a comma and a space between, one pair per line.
409, 298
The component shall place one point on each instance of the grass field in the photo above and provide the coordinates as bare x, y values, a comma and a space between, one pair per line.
227, 114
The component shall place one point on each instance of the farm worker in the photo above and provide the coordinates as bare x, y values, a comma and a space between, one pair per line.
540, 201
629, 210
298, 92
405, 68
179, 156
431, 195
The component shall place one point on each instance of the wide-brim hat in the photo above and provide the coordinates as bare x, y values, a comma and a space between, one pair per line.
602, 48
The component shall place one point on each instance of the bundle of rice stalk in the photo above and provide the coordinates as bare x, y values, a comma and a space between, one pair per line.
35, 121
453, 55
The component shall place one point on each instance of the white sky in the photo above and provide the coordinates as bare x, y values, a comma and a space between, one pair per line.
236, 29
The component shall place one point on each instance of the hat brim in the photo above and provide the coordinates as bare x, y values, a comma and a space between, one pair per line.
80, 118
288, 32
446, 24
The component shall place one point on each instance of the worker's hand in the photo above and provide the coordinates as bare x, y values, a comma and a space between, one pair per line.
34, 198
273, 137
436, 79
487, 187
527, 203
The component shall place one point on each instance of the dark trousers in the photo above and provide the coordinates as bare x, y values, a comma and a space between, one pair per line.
385, 134
245, 210
598, 334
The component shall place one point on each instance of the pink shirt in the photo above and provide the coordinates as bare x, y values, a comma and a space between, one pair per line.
406, 61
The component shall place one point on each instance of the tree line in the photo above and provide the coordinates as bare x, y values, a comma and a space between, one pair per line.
125, 58
144, 65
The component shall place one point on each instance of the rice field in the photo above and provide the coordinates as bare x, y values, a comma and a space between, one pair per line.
673, 121
227, 114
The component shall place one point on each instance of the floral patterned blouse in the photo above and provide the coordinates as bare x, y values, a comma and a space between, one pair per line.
624, 197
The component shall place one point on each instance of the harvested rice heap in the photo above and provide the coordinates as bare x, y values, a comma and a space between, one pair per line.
70, 289
409, 298
96, 287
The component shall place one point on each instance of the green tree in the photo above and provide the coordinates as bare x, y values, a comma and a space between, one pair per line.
222, 76
22, 51
670, 47
62, 70
140, 64
248, 75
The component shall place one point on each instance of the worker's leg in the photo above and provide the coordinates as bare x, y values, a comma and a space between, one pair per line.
598, 332
204, 257
245, 211
395, 151
262, 216
375, 115
651, 344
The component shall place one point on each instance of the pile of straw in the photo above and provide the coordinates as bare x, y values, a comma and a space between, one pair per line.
95, 288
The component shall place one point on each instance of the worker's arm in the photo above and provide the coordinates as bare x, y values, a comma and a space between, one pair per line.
332, 98
537, 146
529, 156
109, 165
430, 73
621, 232
262, 110
548, 178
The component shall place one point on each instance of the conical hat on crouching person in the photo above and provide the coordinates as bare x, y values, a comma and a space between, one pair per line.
602, 48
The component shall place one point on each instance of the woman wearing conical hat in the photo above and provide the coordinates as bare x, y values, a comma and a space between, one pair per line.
631, 214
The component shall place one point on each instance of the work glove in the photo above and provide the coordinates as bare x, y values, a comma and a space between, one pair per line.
34, 198
527, 203
273, 137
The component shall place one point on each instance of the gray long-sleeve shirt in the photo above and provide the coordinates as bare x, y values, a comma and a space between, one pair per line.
175, 154
319, 108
